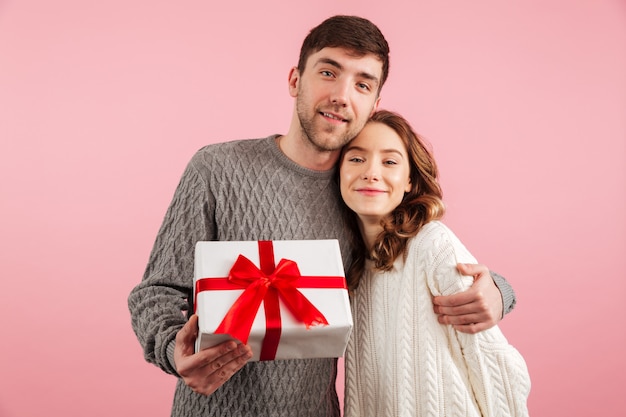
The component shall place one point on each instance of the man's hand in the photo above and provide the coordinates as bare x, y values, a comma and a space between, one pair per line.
207, 370
476, 309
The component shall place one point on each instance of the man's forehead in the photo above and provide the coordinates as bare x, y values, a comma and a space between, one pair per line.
344, 57
346, 53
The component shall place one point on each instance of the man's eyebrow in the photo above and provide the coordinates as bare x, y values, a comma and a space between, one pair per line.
330, 61
337, 65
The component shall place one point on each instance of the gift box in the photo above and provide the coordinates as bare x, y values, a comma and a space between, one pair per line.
286, 299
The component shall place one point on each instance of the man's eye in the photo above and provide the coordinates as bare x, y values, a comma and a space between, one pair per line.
364, 86
327, 73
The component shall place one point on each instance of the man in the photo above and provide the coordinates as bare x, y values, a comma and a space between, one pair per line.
275, 188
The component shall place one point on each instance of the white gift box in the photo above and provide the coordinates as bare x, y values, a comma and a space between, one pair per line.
321, 282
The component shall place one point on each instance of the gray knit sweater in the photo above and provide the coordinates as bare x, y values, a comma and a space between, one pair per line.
240, 190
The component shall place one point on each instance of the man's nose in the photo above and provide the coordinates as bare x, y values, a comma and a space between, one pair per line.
340, 93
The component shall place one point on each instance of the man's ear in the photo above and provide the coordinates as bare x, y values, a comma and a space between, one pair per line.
376, 103
294, 79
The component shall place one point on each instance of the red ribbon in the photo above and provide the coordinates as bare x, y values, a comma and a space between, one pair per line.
267, 285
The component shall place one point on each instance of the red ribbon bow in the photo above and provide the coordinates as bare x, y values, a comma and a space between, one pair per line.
259, 287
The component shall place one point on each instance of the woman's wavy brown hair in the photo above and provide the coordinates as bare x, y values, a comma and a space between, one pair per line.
422, 204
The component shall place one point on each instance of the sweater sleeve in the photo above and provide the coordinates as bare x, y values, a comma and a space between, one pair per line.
159, 304
506, 290
496, 371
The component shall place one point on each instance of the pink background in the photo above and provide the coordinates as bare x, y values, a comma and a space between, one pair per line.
102, 103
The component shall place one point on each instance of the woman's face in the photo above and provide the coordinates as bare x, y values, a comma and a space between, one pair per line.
374, 172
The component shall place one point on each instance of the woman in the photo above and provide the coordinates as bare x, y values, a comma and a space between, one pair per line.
400, 361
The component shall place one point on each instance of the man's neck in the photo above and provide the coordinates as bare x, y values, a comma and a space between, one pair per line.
305, 154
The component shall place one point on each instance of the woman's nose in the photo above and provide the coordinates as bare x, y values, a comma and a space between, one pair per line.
370, 174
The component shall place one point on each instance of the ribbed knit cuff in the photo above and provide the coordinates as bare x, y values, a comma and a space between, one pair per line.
170, 356
506, 291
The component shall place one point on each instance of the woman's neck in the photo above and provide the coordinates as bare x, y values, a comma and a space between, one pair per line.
370, 229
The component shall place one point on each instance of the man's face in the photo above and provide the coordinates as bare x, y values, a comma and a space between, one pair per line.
336, 94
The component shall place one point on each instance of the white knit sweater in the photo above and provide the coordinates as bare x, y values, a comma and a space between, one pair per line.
401, 362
